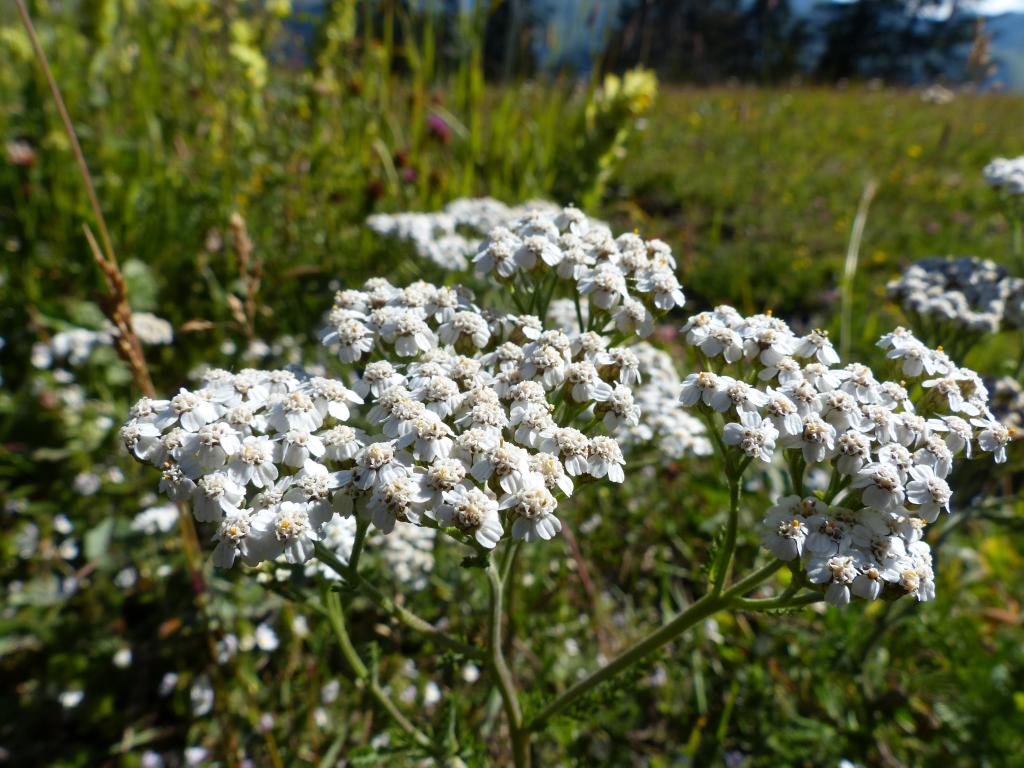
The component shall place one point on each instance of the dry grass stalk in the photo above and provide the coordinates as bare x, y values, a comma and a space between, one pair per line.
117, 309
250, 272
115, 303
115, 306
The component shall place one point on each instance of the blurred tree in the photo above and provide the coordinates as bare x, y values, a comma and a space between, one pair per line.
897, 40
775, 38
711, 40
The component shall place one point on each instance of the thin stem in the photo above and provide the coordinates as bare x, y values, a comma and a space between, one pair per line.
413, 621
502, 674
336, 616
751, 580
579, 310
797, 465
700, 610
837, 484
796, 582
69, 128
721, 572
509, 562
116, 306
542, 310
386, 604
709, 421
850, 267
508, 583
272, 750
707, 606
357, 546
782, 601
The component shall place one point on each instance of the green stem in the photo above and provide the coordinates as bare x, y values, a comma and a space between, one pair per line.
386, 604
363, 675
579, 310
336, 616
782, 601
707, 606
797, 580
502, 674
357, 546
751, 580
796, 471
836, 485
714, 431
414, 621
508, 583
721, 572
514, 293
509, 562
702, 609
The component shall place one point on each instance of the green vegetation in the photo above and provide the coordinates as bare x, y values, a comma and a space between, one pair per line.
184, 121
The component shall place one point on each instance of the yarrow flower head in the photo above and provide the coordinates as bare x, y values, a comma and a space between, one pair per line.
1006, 174
965, 295
450, 416
889, 454
450, 236
75, 346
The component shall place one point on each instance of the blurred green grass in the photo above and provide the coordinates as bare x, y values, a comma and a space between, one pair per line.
753, 184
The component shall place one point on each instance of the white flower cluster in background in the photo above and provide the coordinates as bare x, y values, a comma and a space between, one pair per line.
1006, 174
1008, 401
158, 518
76, 345
478, 422
663, 420
626, 280
966, 293
407, 552
937, 94
663, 423
888, 446
450, 236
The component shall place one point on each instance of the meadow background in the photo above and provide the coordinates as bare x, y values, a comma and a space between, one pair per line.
112, 638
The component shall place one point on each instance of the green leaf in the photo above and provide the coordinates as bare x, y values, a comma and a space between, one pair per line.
141, 284
97, 540
86, 314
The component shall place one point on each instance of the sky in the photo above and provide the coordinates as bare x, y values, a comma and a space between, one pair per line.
994, 7
983, 7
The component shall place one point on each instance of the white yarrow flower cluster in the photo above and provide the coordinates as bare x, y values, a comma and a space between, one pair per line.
962, 294
478, 422
626, 280
1008, 401
450, 236
662, 420
889, 454
407, 552
1006, 174
76, 345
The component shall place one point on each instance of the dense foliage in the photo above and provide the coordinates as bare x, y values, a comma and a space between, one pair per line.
121, 644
